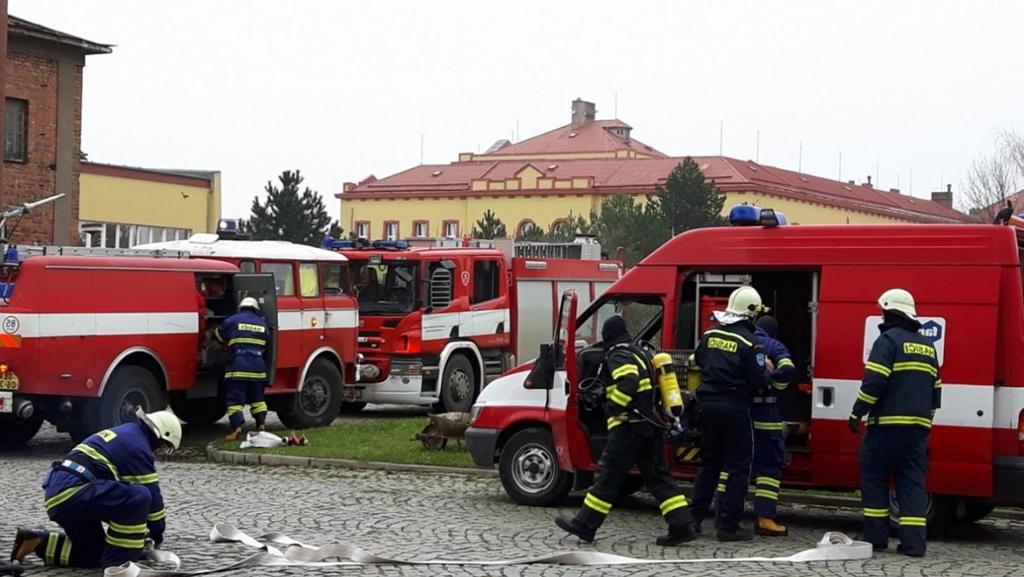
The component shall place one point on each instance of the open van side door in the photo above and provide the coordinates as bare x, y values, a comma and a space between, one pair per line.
261, 287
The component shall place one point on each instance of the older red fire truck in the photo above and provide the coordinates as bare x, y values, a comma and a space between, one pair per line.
437, 322
822, 283
87, 335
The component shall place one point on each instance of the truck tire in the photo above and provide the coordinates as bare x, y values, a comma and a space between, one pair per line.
458, 386
975, 511
529, 469
939, 513
199, 411
14, 434
129, 387
319, 401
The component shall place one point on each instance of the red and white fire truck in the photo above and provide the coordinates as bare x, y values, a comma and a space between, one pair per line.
822, 283
87, 335
437, 322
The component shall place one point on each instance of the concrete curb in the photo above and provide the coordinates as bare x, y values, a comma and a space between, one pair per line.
244, 458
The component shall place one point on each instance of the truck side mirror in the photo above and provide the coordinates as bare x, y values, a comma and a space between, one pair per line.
542, 375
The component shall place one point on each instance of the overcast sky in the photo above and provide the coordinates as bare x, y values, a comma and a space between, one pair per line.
341, 90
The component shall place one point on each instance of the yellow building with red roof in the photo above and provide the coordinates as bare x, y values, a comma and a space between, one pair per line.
573, 168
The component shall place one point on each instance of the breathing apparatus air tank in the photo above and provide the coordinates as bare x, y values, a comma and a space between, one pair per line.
668, 384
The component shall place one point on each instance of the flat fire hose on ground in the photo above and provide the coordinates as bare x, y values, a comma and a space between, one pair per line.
277, 549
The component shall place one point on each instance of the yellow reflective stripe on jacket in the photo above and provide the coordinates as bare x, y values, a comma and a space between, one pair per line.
784, 362
861, 395
619, 398
913, 521
97, 456
880, 369
876, 513
780, 385
613, 422
129, 529
764, 426
126, 543
152, 517
915, 366
625, 370
728, 334
597, 504
645, 385
723, 476
938, 384
141, 479
901, 420
244, 375
673, 503
61, 497
247, 341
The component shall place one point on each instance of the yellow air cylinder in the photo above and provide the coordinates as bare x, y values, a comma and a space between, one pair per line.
668, 384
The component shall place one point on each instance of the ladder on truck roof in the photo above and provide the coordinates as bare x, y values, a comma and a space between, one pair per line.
16, 254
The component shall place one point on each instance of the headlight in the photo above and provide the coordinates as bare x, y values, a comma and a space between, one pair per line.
474, 412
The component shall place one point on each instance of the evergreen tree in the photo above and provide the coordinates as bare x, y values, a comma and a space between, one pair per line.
688, 200
569, 228
624, 222
532, 234
288, 214
490, 226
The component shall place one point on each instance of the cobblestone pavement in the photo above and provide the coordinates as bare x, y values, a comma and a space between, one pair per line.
439, 516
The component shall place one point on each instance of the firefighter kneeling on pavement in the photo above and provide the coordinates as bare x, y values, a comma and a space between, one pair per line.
634, 436
900, 393
111, 478
247, 335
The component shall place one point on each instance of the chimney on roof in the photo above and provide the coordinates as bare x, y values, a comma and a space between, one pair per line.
868, 183
582, 112
894, 190
944, 197
348, 186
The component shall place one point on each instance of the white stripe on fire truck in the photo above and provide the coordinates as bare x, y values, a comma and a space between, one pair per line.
962, 405
335, 319
102, 324
470, 323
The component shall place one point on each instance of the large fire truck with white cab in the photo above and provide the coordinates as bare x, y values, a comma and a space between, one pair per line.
87, 335
441, 318
822, 284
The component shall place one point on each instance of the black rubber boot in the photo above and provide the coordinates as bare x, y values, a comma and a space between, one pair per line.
28, 541
261, 421
677, 535
738, 534
576, 527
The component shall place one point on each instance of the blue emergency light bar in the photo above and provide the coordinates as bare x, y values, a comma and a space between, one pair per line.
749, 215
331, 243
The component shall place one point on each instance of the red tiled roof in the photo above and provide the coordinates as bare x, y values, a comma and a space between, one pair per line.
639, 176
593, 136
1017, 199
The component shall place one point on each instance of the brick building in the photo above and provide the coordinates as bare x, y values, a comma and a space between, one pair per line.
43, 128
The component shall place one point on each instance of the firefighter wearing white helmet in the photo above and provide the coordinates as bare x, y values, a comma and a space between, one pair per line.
109, 478
247, 336
732, 365
900, 393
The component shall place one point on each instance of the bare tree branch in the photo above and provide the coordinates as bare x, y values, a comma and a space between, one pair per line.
990, 180
1012, 145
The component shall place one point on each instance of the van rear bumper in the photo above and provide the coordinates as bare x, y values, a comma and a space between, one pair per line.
1008, 480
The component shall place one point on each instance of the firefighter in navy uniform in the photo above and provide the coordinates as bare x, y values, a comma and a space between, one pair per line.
732, 364
111, 478
633, 438
900, 394
247, 335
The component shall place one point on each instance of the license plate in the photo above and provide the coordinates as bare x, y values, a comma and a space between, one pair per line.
6, 402
353, 394
8, 381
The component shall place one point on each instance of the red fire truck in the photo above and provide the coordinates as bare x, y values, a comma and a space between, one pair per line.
822, 283
87, 335
437, 322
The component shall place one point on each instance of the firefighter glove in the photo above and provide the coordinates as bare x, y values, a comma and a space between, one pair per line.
854, 423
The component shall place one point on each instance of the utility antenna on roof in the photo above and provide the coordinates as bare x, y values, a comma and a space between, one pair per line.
800, 159
911, 181
721, 136
421, 149
616, 113
757, 148
878, 181
840, 167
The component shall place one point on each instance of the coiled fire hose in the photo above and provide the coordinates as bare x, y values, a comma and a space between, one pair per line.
277, 549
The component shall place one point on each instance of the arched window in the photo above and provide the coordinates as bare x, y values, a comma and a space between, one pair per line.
525, 226
559, 226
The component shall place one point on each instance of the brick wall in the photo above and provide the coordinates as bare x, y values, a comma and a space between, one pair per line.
34, 78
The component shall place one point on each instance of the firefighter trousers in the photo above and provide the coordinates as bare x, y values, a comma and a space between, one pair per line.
640, 444
726, 447
769, 459
901, 453
122, 506
240, 392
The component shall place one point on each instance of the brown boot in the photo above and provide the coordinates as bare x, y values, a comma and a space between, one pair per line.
26, 541
233, 435
769, 528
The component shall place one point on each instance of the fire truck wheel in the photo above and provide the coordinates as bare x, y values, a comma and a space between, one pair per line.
129, 387
975, 511
15, 434
529, 469
319, 401
458, 386
940, 513
199, 411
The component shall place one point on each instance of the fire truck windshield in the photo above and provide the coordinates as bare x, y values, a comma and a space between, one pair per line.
388, 287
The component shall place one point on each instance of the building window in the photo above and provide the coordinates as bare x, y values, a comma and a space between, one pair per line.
390, 230
363, 228
525, 226
112, 235
450, 229
309, 280
15, 127
284, 279
421, 228
486, 281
